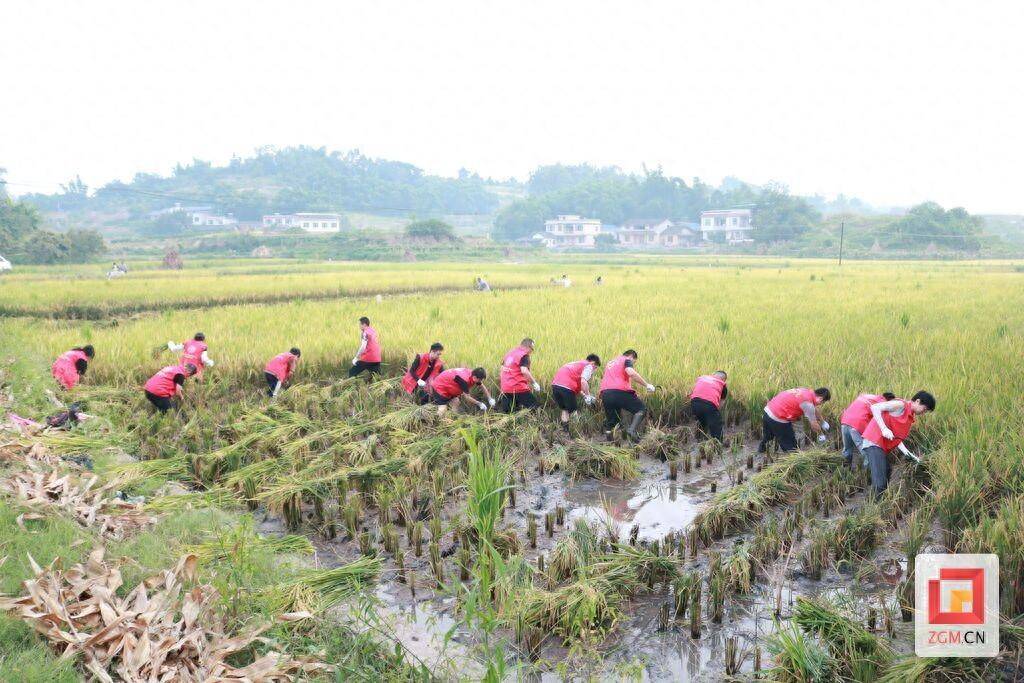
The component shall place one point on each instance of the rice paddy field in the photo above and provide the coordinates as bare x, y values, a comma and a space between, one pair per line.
486, 546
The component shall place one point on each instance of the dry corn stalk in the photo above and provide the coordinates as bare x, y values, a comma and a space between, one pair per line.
77, 496
160, 631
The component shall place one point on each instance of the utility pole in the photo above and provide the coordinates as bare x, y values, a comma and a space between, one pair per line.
842, 233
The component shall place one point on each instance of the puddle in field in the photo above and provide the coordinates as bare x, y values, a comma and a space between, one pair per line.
426, 629
656, 507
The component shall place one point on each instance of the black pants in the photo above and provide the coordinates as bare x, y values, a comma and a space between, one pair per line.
510, 403
617, 400
272, 382
439, 400
709, 417
565, 398
372, 368
780, 432
420, 395
162, 403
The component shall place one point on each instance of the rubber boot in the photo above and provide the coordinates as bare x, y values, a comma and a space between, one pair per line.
631, 431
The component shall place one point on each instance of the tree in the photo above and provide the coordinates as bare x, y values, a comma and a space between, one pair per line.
929, 223
781, 217
432, 229
170, 224
17, 221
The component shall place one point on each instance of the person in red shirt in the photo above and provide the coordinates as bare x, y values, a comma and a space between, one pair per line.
788, 407
368, 355
516, 381
422, 371
193, 351
166, 385
71, 365
455, 383
571, 380
889, 426
855, 419
617, 394
705, 401
279, 370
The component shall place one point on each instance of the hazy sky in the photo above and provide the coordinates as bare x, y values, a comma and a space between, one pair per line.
894, 101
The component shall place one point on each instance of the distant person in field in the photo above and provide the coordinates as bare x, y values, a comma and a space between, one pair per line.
165, 386
599, 281
617, 394
280, 369
516, 381
368, 355
455, 383
571, 380
193, 351
565, 281
706, 401
71, 365
889, 426
422, 371
788, 407
481, 285
855, 419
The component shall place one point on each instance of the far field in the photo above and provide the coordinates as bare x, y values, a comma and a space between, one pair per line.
767, 548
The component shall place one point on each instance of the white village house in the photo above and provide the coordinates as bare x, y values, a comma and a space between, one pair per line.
734, 226
210, 219
310, 222
639, 233
570, 231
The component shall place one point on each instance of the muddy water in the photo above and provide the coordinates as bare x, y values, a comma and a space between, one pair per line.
429, 625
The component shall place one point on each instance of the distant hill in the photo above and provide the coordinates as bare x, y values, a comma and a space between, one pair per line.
278, 180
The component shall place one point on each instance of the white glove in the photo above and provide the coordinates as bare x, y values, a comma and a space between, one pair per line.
824, 425
483, 406
887, 433
588, 399
208, 362
171, 345
421, 383
822, 438
355, 360
491, 401
650, 388
536, 386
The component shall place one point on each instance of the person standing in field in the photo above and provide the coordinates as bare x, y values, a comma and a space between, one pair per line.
457, 382
279, 370
855, 419
71, 365
617, 394
516, 380
889, 425
571, 380
193, 351
166, 385
422, 371
706, 400
788, 407
368, 355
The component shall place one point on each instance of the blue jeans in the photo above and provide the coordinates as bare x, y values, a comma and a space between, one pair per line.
878, 462
851, 444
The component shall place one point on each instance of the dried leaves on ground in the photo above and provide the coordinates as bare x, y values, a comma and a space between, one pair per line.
165, 629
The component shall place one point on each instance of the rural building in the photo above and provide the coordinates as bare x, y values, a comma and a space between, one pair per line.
641, 233
571, 231
680, 235
310, 222
727, 225
208, 219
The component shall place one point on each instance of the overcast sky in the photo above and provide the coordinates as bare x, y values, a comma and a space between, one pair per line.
894, 102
